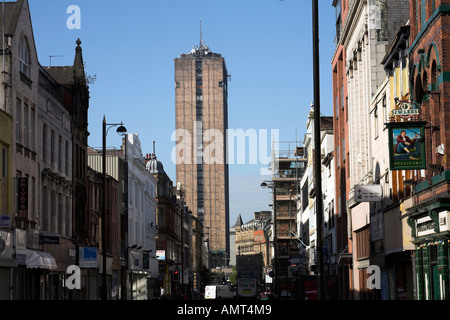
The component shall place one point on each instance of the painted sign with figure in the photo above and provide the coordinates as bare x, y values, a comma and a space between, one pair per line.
407, 145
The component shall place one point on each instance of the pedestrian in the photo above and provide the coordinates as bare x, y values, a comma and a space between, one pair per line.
161, 294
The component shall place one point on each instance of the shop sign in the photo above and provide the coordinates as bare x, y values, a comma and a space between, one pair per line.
444, 221
368, 193
5, 221
88, 257
22, 197
406, 145
135, 261
424, 226
406, 110
160, 254
377, 226
49, 238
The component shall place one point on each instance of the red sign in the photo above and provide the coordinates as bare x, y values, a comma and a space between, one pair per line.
22, 197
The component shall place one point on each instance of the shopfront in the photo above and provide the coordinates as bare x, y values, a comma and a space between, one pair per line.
430, 224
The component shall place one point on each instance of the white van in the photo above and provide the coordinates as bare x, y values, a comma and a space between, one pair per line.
225, 292
219, 292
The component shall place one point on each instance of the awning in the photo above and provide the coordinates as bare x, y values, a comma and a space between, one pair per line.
345, 258
40, 259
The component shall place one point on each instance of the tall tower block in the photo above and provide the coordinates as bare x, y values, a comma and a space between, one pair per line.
201, 112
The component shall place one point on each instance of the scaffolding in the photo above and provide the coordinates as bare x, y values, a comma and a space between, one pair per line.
288, 164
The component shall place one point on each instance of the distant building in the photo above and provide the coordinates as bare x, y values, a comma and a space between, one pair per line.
168, 222
288, 166
253, 246
201, 111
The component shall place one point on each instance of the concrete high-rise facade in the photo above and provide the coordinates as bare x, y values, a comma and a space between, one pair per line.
201, 111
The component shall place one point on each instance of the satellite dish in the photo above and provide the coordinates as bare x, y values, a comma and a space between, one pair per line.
440, 150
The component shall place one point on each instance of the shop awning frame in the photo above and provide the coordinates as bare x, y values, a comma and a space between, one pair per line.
40, 259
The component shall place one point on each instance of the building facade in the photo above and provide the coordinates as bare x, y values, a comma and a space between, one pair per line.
365, 34
141, 209
168, 222
253, 246
341, 140
288, 165
201, 110
19, 146
427, 214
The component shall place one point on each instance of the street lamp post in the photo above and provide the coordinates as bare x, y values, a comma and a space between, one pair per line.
121, 129
317, 160
275, 244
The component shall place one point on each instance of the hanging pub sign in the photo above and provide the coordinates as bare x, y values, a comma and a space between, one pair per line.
22, 197
406, 110
407, 145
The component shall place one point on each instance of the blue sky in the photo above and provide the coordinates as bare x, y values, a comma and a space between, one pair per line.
130, 47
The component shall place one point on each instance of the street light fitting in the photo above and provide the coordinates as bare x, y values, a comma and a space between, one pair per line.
121, 129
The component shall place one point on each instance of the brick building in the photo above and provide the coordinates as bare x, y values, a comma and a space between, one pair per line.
340, 125
252, 246
364, 31
428, 215
201, 112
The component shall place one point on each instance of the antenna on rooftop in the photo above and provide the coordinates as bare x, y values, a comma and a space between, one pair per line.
201, 36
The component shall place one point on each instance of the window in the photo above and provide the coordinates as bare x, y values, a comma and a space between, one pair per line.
305, 200
60, 226
32, 129
52, 215
33, 197
25, 125
338, 19
336, 104
375, 116
4, 163
44, 144
24, 57
68, 217
52, 148
19, 121
44, 208
60, 153
66, 158
331, 214
343, 150
337, 157
363, 243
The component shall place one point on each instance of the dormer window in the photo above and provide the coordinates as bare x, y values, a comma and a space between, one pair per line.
24, 57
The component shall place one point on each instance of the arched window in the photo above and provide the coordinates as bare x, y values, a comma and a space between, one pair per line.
433, 79
418, 92
24, 57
